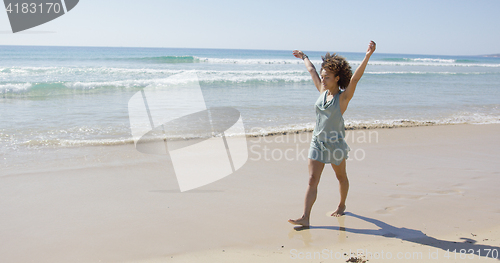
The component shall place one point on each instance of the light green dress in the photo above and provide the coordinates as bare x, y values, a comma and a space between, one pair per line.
328, 143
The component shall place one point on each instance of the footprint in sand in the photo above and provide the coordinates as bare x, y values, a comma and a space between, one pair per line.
448, 192
388, 209
403, 184
408, 196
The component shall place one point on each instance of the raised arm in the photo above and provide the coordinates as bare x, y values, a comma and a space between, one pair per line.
347, 95
310, 67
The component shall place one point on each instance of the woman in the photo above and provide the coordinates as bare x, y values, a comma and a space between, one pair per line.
336, 85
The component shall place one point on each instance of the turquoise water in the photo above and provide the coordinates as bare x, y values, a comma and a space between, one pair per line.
72, 96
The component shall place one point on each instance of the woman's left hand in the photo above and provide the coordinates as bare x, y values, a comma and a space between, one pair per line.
371, 48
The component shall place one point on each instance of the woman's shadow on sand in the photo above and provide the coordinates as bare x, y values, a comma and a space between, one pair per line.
415, 236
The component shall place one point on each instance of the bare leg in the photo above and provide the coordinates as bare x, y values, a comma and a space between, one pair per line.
315, 170
340, 172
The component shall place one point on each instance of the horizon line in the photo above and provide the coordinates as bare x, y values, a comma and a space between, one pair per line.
477, 55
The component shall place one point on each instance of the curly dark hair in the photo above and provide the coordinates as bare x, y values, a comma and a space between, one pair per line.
339, 66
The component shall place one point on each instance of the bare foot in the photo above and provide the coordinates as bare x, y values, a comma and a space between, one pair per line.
301, 221
339, 212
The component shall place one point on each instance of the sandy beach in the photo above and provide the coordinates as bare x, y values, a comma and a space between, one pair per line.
414, 194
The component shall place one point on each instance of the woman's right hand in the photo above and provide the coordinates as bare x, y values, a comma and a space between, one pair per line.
298, 54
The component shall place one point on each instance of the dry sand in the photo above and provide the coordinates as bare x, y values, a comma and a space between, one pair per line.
414, 193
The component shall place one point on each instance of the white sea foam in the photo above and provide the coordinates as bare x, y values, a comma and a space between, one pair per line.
428, 64
47, 139
403, 62
14, 87
62, 71
438, 60
254, 61
203, 76
114, 72
424, 73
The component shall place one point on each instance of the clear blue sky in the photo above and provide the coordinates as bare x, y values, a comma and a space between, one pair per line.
412, 27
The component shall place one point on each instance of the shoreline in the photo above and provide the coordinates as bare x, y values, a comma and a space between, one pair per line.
364, 126
87, 149
412, 190
262, 132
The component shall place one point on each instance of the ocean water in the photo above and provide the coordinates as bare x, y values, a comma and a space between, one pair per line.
54, 97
